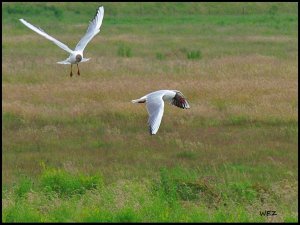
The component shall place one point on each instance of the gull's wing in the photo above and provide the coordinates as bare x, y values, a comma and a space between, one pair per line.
180, 101
44, 34
155, 107
93, 29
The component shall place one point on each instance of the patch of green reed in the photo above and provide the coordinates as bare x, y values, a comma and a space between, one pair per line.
25, 185
160, 56
124, 51
64, 184
194, 54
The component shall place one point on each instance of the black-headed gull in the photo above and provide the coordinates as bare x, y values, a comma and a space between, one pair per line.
155, 105
76, 56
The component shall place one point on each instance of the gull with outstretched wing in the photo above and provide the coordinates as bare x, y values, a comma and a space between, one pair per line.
76, 55
155, 105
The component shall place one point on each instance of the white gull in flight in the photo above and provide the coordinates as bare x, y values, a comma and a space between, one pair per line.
76, 55
155, 105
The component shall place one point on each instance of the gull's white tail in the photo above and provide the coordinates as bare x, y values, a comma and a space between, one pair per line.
140, 100
64, 62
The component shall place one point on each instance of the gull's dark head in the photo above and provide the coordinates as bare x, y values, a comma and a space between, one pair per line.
180, 101
78, 58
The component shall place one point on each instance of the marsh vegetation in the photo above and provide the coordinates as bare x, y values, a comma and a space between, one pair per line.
76, 149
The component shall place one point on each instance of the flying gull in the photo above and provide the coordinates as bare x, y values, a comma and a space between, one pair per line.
76, 55
155, 105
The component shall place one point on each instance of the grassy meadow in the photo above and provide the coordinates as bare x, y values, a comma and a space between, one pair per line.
75, 149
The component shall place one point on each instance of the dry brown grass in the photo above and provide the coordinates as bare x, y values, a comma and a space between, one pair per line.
246, 85
256, 86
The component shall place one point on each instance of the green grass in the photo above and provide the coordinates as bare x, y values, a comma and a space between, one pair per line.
65, 185
194, 55
178, 195
124, 51
77, 150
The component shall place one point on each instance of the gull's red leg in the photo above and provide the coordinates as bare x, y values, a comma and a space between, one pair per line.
71, 74
78, 72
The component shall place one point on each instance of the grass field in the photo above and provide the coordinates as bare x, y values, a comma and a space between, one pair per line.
77, 149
